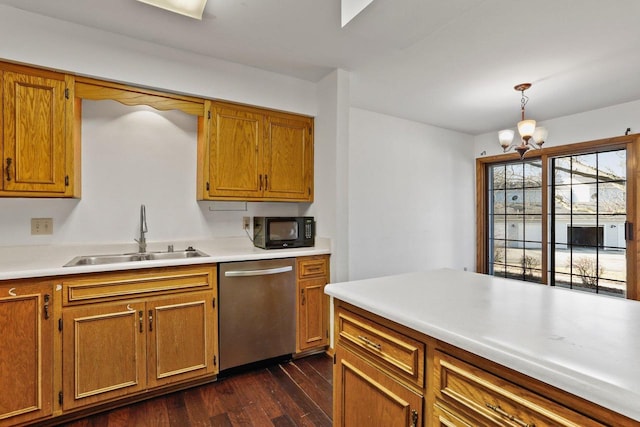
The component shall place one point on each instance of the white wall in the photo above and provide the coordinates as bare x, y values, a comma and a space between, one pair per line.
132, 156
39, 40
330, 205
588, 126
411, 196
125, 165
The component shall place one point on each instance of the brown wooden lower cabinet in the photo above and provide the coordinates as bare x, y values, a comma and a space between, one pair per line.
378, 380
26, 359
115, 345
118, 348
313, 304
368, 397
83, 343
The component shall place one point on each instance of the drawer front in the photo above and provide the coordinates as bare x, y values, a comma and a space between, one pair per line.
445, 417
109, 286
396, 353
312, 267
498, 401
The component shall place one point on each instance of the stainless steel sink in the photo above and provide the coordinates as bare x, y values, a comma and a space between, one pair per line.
134, 257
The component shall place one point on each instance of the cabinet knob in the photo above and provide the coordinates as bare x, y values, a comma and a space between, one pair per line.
46, 306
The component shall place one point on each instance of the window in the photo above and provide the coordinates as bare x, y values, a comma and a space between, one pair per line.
587, 219
515, 220
564, 218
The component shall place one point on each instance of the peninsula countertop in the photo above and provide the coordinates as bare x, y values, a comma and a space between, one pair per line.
585, 344
19, 262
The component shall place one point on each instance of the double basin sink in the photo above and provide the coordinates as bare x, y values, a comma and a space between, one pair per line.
134, 257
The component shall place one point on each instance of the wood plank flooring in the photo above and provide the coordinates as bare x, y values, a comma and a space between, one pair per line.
296, 393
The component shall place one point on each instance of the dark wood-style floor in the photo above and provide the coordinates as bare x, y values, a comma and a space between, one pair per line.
296, 393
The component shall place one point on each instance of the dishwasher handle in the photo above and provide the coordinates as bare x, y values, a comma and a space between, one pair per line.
265, 272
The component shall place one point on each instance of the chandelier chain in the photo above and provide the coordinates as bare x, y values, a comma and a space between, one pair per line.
523, 102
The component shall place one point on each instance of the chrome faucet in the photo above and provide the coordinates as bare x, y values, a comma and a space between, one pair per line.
142, 241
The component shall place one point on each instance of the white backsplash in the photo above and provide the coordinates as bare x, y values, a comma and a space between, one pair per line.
132, 156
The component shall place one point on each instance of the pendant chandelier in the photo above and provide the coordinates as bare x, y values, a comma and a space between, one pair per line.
530, 135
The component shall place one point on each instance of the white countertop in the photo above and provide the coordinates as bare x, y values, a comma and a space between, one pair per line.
585, 344
17, 262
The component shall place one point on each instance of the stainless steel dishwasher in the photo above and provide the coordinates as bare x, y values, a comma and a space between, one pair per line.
257, 311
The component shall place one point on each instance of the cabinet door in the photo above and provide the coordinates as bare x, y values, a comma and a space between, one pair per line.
364, 396
34, 155
288, 159
182, 333
235, 161
312, 312
26, 359
104, 352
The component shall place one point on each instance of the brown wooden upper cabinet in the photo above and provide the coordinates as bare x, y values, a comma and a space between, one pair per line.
37, 140
255, 154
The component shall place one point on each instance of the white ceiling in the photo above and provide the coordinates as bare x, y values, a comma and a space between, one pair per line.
450, 63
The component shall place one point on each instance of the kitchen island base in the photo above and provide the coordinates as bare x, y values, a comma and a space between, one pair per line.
388, 374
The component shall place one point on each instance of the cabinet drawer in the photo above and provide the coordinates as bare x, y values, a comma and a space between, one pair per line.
110, 286
396, 353
445, 417
497, 401
312, 267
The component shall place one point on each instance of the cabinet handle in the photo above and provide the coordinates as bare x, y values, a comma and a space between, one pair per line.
140, 320
414, 418
266, 182
370, 343
303, 298
502, 412
46, 306
260, 182
9, 168
150, 320
12, 292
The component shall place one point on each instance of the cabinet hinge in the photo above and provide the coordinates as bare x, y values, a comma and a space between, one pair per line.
209, 114
334, 358
309, 190
207, 186
215, 360
66, 93
213, 302
66, 180
60, 398
60, 324
327, 333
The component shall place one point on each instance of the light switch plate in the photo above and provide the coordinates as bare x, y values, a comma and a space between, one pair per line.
41, 226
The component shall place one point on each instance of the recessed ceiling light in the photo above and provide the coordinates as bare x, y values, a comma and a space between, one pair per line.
190, 8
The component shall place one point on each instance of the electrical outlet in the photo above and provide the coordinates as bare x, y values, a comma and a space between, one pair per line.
41, 226
246, 222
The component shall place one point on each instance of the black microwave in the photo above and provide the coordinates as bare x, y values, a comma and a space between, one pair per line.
277, 232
